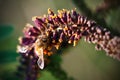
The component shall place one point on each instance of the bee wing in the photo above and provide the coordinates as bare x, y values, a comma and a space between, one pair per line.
40, 61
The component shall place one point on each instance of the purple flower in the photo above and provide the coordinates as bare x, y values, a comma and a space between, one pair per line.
52, 30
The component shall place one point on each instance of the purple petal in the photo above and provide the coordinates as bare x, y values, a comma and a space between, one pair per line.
64, 18
62, 36
26, 41
74, 16
31, 31
58, 19
39, 23
55, 35
72, 37
68, 17
34, 32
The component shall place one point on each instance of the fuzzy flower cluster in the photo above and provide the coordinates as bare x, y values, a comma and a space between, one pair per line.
28, 69
52, 30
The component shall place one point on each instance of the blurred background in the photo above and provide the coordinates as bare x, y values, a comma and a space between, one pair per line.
82, 62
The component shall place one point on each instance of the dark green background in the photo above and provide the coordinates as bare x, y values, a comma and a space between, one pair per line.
82, 62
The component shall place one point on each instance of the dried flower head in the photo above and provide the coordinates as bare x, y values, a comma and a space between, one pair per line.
52, 30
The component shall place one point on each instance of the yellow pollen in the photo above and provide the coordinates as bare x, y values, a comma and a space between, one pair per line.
74, 43
60, 40
34, 18
50, 53
69, 41
49, 11
57, 46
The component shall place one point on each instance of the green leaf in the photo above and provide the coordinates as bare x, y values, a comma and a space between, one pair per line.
7, 71
7, 56
48, 74
113, 19
5, 31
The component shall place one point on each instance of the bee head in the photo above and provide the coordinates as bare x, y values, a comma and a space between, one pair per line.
42, 40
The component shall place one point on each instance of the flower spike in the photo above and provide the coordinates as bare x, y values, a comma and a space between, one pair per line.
53, 30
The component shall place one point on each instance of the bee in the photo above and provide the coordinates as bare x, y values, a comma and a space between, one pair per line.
40, 45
